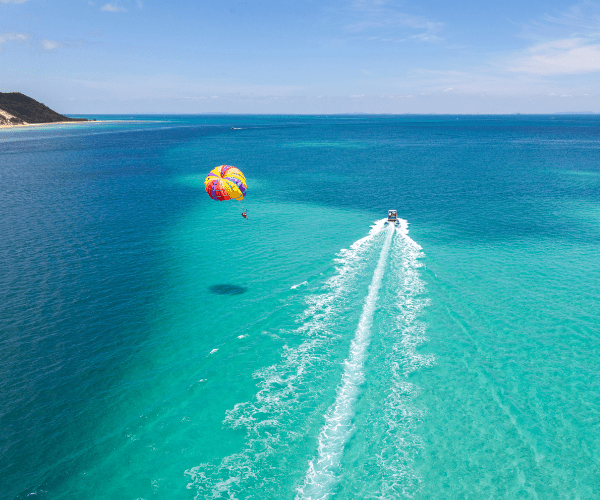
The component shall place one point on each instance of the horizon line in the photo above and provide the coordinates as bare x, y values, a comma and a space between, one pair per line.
338, 114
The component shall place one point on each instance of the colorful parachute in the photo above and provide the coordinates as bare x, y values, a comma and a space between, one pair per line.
225, 183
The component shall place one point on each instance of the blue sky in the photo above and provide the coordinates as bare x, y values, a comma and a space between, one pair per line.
329, 56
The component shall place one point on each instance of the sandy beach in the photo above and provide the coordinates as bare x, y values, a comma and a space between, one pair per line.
25, 125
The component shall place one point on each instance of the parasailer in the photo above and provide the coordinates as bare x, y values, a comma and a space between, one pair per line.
225, 183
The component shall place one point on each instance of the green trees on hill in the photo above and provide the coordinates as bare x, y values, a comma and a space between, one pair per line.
29, 110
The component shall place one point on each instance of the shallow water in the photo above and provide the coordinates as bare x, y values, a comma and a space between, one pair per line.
156, 344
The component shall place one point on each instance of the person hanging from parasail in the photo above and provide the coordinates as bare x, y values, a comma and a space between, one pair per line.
226, 183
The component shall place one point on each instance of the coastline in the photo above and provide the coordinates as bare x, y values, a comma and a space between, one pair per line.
24, 125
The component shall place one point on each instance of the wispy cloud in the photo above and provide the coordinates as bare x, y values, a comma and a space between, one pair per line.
580, 20
50, 44
13, 1
113, 7
140, 4
570, 56
385, 22
12, 37
428, 29
486, 81
565, 42
45, 44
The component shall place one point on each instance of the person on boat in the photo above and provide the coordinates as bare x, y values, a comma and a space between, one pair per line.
244, 214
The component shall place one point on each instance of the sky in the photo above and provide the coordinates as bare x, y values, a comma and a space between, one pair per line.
303, 56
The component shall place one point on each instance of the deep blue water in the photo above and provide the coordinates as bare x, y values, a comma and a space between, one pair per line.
153, 343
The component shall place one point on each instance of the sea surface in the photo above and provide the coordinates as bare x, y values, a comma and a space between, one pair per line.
155, 344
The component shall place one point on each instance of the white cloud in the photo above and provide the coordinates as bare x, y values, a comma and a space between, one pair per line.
113, 7
50, 44
568, 56
13, 1
140, 4
12, 37
565, 42
44, 44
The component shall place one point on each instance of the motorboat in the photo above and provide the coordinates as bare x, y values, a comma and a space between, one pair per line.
392, 216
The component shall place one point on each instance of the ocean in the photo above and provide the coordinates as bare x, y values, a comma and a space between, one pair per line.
155, 344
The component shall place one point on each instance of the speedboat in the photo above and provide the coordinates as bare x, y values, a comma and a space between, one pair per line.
393, 216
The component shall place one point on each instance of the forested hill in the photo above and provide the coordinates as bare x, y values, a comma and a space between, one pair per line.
29, 110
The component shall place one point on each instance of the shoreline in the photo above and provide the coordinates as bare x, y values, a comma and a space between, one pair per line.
24, 125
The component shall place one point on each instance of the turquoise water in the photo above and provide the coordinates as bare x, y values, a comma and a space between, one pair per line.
154, 344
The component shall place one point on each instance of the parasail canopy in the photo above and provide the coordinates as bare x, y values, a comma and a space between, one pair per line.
225, 183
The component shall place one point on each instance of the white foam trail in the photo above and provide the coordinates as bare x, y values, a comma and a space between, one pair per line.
410, 304
398, 420
322, 475
304, 283
281, 385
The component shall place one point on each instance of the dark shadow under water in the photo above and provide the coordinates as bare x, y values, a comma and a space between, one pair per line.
227, 289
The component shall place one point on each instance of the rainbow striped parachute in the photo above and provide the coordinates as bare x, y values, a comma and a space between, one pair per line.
225, 183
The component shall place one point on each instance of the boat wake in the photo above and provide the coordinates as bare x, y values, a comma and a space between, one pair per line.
281, 423
323, 472
273, 417
395, 424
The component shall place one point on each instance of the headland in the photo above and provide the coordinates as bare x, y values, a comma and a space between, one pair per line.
19, 110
